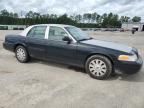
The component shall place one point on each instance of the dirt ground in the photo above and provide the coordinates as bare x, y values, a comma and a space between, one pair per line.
40, 84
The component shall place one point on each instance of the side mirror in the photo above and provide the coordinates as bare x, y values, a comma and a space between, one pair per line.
67, 39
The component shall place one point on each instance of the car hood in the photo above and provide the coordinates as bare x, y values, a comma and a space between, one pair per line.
107, 44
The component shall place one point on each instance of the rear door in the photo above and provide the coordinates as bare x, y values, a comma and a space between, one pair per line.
36, 41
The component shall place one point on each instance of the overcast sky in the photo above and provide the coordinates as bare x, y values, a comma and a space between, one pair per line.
121, 7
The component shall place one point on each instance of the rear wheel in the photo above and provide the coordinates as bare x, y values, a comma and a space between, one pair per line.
22, 54
98, 67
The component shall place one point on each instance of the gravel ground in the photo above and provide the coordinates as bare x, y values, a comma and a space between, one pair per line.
40, 84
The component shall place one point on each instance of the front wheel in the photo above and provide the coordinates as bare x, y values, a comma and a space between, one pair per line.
98, 67
21, 54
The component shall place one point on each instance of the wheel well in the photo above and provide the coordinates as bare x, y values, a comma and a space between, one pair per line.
101, 55
23, 46
17, 46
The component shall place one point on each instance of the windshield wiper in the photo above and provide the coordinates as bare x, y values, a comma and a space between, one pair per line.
85, 39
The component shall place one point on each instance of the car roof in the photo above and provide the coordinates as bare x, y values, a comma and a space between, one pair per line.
58, 25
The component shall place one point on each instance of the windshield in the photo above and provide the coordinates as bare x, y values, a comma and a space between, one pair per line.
77, 33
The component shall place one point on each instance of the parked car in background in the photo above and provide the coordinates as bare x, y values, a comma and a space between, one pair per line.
122, 30
70, 45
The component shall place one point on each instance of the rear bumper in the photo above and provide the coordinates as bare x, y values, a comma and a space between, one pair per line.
8, 46
130, 67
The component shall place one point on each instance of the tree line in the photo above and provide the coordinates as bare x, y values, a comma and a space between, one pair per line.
86, 20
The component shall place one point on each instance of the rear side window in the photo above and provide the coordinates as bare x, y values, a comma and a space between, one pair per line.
37, 32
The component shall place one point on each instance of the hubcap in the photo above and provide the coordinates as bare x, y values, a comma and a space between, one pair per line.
21, 54
97, 67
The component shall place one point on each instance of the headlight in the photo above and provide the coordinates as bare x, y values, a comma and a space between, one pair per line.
127, 57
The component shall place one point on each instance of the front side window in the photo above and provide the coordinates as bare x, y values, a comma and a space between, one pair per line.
56, 33
37, 32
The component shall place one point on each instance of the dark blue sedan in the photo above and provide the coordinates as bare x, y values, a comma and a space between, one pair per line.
70, 45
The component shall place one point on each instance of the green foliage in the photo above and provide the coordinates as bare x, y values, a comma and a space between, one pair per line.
124, 19
136, 19
110, 20
87, 20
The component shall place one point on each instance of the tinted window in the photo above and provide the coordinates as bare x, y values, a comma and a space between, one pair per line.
56, 33
37, 32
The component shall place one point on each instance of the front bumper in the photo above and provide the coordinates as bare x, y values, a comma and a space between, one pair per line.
130, 67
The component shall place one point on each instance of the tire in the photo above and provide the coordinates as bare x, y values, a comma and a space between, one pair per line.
22, 54
98, 67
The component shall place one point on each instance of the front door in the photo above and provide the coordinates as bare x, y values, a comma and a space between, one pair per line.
59, 50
